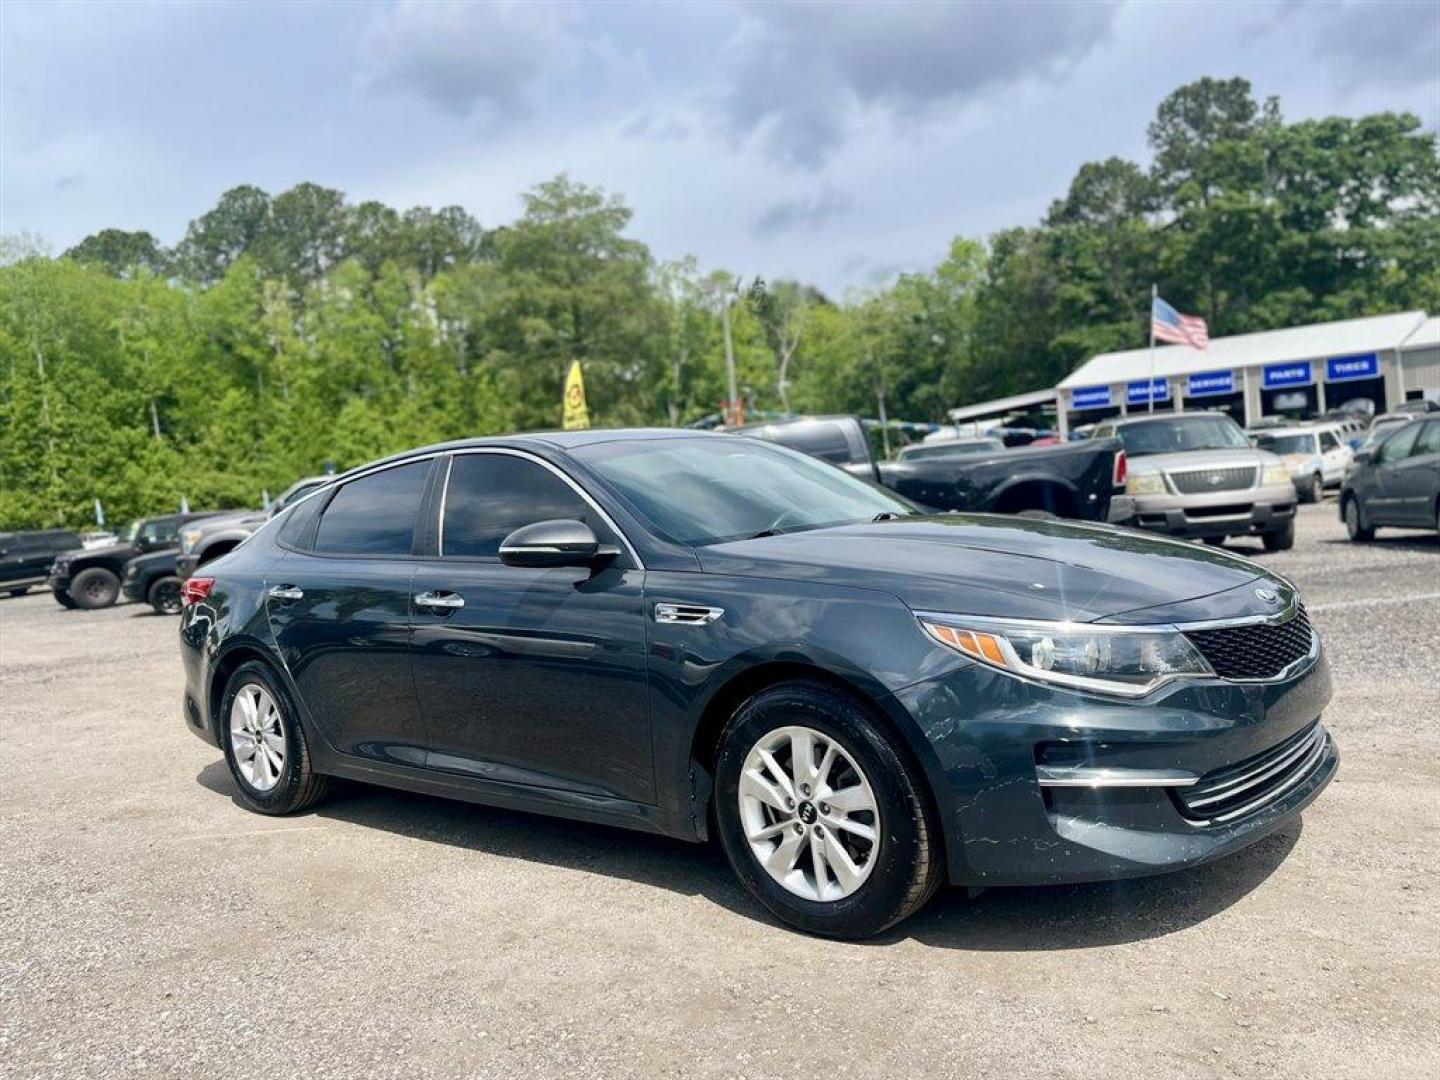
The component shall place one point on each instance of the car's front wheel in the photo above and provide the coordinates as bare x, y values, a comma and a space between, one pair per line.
821, 815
95, 588
264, 744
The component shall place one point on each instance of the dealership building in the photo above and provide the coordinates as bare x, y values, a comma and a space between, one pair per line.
1301, 371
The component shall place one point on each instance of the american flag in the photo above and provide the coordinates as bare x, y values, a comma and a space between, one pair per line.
1167, 324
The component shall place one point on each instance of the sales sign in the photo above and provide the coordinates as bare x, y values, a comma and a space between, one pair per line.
1209, 383
1346, 368
1091, 397
1297, 373
1147, 390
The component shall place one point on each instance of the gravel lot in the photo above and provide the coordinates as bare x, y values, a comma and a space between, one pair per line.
151, 927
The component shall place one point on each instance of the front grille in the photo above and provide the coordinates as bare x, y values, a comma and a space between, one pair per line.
1255, 650
1237, 790
1200, 481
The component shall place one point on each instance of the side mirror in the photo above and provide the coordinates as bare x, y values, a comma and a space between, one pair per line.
1362, 457
563, 542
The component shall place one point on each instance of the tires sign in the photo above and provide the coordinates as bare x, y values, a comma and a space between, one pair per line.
1350, 368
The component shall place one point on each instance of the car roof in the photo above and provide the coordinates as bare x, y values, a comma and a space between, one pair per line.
1120, 421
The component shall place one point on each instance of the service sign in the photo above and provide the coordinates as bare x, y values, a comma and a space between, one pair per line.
1209, 383
1296, 373
1145, 391
1090, 397
1348, 368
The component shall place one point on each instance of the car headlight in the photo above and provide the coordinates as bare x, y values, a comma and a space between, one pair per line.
188, 539
1275, 474
1145, 484
1126, 660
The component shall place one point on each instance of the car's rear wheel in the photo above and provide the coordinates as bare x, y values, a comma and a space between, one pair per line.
821, 815
95, 588
1281, 539
164, 596
1355, 522
264, 744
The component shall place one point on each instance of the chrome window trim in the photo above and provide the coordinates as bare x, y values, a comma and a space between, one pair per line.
564, 476
329, 490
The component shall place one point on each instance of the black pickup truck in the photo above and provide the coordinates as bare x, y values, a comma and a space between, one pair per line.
91, 578
25, 557
1084, 480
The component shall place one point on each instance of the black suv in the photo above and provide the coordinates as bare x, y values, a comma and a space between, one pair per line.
26, 556
91, 579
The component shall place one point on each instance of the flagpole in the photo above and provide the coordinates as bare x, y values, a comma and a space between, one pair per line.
1150, 385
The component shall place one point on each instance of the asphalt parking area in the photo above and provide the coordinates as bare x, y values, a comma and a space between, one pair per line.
151, 927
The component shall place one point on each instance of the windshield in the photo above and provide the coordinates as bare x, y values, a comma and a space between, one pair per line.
131, 532
708, 490
1173, 434
1287, 444
949, 450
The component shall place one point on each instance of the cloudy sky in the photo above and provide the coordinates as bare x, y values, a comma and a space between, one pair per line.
836, 143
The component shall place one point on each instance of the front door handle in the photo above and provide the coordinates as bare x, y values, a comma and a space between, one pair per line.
286, 592
447, 601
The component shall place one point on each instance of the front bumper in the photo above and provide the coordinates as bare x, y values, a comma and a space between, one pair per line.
185, 565
58, 580
1001, 742
1246, 512
134, 588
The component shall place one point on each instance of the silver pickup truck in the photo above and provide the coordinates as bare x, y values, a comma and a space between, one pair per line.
1196, 475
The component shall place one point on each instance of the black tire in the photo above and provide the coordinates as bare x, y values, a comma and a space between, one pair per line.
1216, 541
1282, 539
1314, 491
20, 591
164, 596
63, 599
909, 867
1355, 527
299, 786
94, 588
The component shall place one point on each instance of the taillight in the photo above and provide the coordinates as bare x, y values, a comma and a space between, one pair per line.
196, 589
1122, 470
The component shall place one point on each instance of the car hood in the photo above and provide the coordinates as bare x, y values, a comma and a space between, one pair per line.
1201, 459
1004, 566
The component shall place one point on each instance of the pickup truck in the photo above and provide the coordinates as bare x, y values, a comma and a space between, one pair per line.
1083, 480
91, 578
25, 557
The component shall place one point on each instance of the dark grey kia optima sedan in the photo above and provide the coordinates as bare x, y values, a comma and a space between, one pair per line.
682, 633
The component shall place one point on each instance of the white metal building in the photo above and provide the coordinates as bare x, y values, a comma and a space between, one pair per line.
1300, 371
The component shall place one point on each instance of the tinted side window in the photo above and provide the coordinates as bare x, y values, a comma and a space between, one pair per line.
492, 495
1429, 440
374, 515
1328, 441
1399, 444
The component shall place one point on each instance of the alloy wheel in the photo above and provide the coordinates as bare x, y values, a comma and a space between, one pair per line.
257, 737
167, 598
809, 814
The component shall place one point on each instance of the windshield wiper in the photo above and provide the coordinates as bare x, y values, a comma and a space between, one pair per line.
763, 533
886, 515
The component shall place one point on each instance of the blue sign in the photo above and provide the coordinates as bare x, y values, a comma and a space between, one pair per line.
1090, 397
1297, 373
1145, 391
1208, 383
1346, 368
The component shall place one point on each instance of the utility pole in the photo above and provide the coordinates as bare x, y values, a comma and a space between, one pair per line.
732, 403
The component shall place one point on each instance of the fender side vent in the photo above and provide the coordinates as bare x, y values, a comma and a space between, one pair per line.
687, 614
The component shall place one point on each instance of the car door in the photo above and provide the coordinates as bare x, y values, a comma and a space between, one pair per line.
1415, 477
530, 676
1387, 503
339, 608
1334, 457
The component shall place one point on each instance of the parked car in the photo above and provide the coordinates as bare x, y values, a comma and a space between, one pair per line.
1395, 482
1316, 454
1383, 424
1196, 475
151, 579
679, 632
219, 535
25, 557
1077, 480
90, 578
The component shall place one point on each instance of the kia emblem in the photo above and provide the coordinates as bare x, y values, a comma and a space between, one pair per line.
1267, 596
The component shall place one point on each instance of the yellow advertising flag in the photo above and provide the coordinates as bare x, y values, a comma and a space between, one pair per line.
577, 416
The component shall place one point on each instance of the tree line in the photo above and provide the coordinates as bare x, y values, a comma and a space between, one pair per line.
286, 333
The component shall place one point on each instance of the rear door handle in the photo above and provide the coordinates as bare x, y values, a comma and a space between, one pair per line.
447, 601
286, 592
